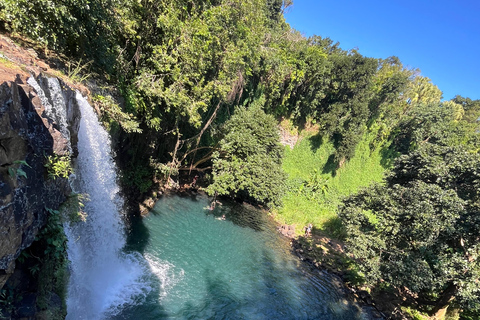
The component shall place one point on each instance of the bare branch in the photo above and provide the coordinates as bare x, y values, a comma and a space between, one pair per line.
195, 169
196, 149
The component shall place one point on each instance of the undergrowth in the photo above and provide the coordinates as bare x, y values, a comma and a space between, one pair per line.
52, 276
316, 186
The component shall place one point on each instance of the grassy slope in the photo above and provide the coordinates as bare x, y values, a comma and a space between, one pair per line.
302, 205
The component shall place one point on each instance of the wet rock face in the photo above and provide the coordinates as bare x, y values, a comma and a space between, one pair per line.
27, 136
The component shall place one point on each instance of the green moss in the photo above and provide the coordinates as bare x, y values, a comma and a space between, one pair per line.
415, 314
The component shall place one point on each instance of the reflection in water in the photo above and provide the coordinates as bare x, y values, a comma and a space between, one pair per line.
240, 268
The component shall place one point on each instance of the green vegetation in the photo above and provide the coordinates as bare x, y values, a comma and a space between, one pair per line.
7, 299
15, 170
420, 229
52, 275
247, 162
184, 67
113, 116
77, 72
45, 262
202, 82
316, 188
72, 208
415, 314
58, 166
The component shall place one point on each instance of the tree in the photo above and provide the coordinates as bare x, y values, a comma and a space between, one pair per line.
79, 28
471, 108
422, 90
390, 84
185, 64
445, 123
247, 164
344, 111
421, 229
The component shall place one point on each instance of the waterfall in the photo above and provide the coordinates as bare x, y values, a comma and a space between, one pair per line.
103, 278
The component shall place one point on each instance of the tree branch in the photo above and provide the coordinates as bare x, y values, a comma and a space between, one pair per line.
196, 169
207, 124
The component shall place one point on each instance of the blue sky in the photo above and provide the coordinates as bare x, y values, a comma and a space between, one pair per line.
441, 38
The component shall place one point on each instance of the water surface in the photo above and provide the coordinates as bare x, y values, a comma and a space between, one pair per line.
202, 267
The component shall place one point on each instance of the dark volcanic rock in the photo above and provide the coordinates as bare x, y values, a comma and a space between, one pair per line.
27, 136
25, 308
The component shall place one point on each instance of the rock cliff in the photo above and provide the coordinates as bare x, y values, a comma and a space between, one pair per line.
27, 137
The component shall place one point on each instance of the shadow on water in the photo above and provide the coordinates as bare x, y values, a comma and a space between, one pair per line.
242, 215
265, 283
150, 310
137, 234
274, 298
221, 301
190, 195
217, 300
271, 297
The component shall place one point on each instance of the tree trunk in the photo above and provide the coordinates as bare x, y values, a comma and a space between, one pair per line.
174, 155
207, 124
438, 312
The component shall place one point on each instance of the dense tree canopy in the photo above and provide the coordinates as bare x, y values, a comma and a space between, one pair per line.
421, 229
248, 161
184, 66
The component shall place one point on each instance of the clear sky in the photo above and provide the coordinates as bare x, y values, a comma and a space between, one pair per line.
439, 37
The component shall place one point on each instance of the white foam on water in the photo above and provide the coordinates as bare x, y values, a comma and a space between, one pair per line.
165, 273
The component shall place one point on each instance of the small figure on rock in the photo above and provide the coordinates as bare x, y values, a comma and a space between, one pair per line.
194, 182
308, 230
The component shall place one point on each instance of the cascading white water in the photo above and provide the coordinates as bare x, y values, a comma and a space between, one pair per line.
102, 277
55, 106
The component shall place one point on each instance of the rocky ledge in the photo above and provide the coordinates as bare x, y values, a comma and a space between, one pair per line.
27, 137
